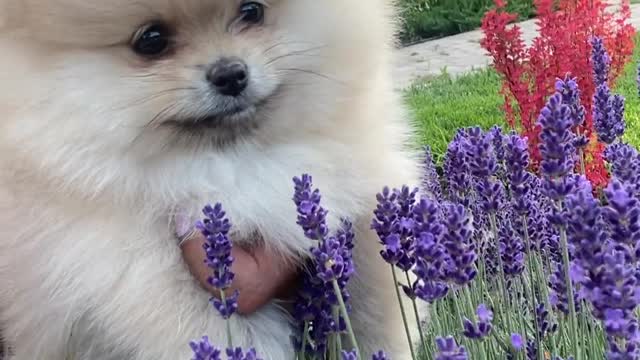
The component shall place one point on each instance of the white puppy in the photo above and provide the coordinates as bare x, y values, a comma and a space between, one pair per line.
115, 112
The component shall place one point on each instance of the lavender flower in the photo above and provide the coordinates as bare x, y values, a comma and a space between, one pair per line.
238, 354
544, 325
349, 355
623, 218
311, 216
625, 164
520, 181
558, 152
484, 166
430, 261
215, 228
608, 110
601, 61
448, 349
511, 250
431, 179
393, 229
608, 115
380, 355
532, 350
457, 240
456, 171
558, 297
517, 342
498, 142
483, 325
606, 268
571, 98
203, 350
333, 266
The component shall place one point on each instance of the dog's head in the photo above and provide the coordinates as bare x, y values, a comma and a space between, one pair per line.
95, 90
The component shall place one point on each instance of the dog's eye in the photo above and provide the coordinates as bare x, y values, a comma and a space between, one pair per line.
152, 40
252, 12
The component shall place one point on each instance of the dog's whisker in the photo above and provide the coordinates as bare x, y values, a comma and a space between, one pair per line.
305, 52
311, 72
154, 96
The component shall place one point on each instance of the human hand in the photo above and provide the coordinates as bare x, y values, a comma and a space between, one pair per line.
261, 275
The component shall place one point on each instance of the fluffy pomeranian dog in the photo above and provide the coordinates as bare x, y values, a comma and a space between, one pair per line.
115, 113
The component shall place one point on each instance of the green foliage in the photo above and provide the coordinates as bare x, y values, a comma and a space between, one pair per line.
424, 19
443, 104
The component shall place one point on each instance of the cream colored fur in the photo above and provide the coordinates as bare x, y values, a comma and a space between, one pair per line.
88, 262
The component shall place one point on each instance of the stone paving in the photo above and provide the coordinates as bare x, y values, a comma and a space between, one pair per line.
457, 54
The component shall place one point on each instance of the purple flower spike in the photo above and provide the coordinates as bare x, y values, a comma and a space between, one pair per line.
625, 164
558, 297
203, 350
448, 349
330, 264
238, 354
517, 342
430, 178
227, 307
511, 250
571, 98
393, 222
430, 261
607, 262
457, 240
380, 355
608, 115
532, 350
544, 326
520, 180
483, 326
623, 217
333, 262
456, 171
349, 355
601, 61
498, 142
215, 228
608, 110
484, 167
558, 151
311, 216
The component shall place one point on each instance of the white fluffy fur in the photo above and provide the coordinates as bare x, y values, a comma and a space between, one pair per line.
88, 262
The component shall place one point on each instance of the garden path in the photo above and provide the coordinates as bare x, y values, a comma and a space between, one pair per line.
457, 54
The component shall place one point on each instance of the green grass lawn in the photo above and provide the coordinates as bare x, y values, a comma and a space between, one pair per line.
443, 104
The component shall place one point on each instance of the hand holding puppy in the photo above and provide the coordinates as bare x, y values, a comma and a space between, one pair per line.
260, 274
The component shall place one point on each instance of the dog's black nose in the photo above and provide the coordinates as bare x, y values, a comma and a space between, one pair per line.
229, 76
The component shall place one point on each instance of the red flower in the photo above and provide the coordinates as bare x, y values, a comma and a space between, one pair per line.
562, 47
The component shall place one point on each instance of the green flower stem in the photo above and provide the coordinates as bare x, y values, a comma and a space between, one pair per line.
345, 314
417, 315
404, 315
304, 340
582, 166
501, 278
531, 294
224, 301
338, 339
572, 306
